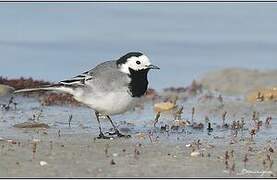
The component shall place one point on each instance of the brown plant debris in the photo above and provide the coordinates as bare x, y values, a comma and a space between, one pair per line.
31, 124
23, 83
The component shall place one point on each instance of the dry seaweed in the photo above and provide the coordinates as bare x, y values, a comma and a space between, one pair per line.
31, 124
23, 83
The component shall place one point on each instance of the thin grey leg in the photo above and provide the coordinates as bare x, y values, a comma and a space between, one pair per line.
101, 135
112, 122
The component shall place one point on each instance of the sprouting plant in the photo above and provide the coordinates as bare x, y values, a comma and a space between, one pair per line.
34, 148
157, 118
268, 121
178, 113
226, 159
260, 97
245, 160
224, 118
210, 129
106, 150
39, 114
69, 120
192, 114
253, 133
254, 116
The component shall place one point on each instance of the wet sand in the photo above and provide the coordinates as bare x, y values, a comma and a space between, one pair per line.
71, 152
79, 155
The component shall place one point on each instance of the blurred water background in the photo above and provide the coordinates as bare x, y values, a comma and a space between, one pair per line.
54, 41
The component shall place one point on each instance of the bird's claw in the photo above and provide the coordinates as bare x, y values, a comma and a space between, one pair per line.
119, 134
111, 133
102, 136
122, 135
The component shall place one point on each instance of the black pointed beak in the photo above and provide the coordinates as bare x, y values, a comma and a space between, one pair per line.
151, 66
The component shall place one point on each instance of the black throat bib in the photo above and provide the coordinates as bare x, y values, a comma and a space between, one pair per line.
139, 82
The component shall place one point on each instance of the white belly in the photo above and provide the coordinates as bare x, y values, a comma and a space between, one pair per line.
109, 104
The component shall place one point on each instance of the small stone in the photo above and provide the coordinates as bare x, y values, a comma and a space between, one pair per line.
43, 163
164, 106
181, 123
188, 145
141, 136
11, 141
197, 126
112, 162
36, 140
195, 154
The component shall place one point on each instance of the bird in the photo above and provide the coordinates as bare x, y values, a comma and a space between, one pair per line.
110, 88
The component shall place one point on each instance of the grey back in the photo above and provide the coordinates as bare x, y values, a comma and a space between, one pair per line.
107, 77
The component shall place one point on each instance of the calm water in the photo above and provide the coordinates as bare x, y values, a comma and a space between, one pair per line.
59, 40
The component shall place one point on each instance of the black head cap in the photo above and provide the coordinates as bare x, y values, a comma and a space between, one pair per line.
124, 58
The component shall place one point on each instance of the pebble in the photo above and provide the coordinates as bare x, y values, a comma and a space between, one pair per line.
11, 141
112, 162
43, 163
36, 140
195, 154
163, 106
188, 145
271, 150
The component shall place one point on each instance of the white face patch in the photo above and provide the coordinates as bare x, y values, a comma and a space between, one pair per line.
135, 63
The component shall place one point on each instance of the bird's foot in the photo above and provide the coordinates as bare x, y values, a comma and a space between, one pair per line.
102, 136
116, 132
122, 135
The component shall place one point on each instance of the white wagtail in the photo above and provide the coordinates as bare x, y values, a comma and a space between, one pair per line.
111, 88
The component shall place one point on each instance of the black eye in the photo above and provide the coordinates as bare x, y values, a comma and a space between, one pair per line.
138, 62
